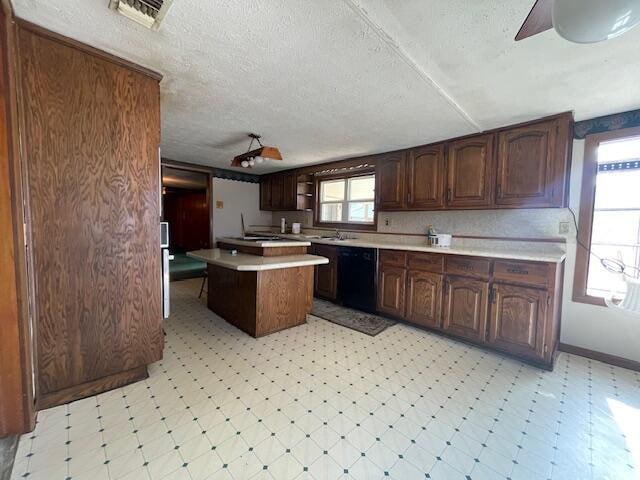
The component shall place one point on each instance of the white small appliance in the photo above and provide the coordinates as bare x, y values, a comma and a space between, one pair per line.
440, 239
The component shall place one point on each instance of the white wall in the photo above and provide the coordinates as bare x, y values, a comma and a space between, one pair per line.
237, 197
589, 326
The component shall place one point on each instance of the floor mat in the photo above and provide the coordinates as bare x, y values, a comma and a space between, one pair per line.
347, 317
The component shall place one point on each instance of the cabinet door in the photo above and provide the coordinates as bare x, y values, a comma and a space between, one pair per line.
265, 193
517, 322
424, 298
390, 176
526, 174
97, 324
277, 191
326, 276
391, 290
425, 178
289, 191
465, 308
470, 174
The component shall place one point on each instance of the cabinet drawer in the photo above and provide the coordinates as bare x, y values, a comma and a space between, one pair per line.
521, 272
393, 257
328, 251
469, 267
427, 262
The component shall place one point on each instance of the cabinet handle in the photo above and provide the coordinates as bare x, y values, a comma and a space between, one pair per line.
492, 295
517, 271
499, 190
448, 195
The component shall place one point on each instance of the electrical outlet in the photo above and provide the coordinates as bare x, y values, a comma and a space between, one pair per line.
219, 204
563, 228
387, 222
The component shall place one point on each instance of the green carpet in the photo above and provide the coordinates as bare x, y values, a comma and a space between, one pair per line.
182, 267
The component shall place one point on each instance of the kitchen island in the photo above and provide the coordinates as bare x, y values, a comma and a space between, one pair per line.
259, 294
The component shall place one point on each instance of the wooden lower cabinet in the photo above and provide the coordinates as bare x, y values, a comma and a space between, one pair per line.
424, 298
391, 290
263, 302
465, 307
326, 276
509, 305
518, 319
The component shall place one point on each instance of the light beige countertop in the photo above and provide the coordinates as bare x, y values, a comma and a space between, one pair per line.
266, 243
537, 252
254, 263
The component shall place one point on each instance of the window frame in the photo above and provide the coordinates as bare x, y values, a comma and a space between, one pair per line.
585, 214
344, 225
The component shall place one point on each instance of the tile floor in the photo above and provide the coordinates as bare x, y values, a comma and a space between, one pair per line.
323, 402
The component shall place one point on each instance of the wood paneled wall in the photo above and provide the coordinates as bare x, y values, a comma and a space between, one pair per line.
17, 412
187, 212
90, 132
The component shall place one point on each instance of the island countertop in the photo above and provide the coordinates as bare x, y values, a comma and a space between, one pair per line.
254, 263
266, 242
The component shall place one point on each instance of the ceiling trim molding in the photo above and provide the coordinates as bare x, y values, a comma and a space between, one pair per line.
214, 171
606, 123
397, 48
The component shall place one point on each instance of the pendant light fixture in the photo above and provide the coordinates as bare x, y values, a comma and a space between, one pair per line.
258, 155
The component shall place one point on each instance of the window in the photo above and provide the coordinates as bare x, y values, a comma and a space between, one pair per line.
347, 200
609, 213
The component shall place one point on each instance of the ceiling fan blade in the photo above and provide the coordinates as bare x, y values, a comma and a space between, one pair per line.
538, 20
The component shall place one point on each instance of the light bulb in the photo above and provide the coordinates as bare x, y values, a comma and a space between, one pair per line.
244, 164
252, 162
259, 159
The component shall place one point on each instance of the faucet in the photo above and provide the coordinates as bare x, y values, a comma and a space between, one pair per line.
338, 234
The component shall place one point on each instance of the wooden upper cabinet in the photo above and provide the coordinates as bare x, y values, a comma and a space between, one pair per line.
518, 319
277, 192
265, 193
289, 191
425, 177
391, 290
470, 174
282, 191
424, 298
465, 307
390, 179
527, 173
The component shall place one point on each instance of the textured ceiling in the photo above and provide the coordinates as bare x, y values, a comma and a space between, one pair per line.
329, 79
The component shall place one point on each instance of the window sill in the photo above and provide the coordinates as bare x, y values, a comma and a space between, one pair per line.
346, 226
589, 299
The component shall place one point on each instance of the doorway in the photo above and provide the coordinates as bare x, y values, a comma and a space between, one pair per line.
186, 206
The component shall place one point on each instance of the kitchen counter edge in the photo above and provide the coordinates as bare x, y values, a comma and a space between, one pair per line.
245, 262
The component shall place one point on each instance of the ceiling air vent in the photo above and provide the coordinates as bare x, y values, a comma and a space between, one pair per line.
146, 12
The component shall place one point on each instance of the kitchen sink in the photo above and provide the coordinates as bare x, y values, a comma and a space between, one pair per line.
338, 239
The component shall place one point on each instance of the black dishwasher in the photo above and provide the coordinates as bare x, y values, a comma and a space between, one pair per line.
357, 278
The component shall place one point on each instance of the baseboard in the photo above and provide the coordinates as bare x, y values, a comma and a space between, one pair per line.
602, 357
92, 388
